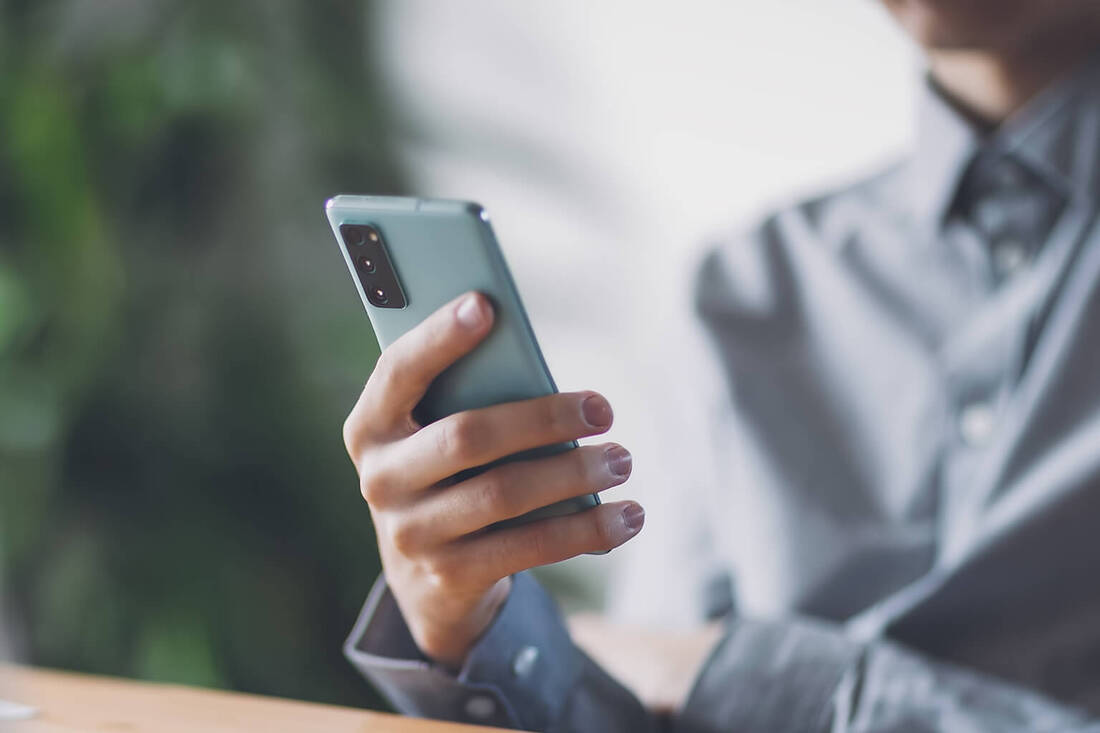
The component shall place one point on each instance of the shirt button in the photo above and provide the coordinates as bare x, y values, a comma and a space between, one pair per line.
1008, 256
481, 707
990, 215
976, 423
524, 661
1008, 174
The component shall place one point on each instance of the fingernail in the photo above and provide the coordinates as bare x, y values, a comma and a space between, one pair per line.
596, 411
470, 313
619, 461
634, 517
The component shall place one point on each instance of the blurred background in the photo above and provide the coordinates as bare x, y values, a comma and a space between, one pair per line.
180, 341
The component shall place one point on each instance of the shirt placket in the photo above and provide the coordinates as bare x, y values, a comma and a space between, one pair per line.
983, 361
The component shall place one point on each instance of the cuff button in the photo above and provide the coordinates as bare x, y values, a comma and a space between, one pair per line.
481, 707
524, 661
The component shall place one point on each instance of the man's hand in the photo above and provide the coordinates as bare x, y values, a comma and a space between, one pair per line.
447, 574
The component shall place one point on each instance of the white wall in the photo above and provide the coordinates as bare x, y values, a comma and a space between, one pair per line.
607, 139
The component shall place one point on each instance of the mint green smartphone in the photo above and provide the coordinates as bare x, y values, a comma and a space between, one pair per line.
410, 256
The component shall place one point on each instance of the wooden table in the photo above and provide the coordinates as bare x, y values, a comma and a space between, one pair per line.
75, 702
659, 667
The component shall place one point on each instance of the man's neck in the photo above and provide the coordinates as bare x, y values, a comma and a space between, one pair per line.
990, 86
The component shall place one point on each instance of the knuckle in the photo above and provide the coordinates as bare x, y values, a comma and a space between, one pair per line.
387, 371
553, 416
601, 531
494, 496
442, 328
488, 491
583, 466
370, 488
382, 368
373, 485
393, 373
460, 437
405, 536
540, 546
442, 572
352, 434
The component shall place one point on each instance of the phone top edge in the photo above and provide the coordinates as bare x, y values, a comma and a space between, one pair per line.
452, 206
377, 203
404, 203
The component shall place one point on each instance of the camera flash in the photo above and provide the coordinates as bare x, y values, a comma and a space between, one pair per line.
373, 236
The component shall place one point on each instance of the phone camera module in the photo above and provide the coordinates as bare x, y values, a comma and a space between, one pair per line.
366, 251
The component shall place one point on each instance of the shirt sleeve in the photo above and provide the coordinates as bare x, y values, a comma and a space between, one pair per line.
791, 676
523, 673
804, 676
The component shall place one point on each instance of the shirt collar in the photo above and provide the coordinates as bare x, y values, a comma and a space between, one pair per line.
946, 142
1057, 135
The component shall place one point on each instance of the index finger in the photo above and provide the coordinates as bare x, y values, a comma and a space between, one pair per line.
407, 367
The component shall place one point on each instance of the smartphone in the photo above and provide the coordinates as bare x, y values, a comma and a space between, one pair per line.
408, 257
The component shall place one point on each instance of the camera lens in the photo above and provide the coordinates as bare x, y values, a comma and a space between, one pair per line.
354, 235
366, 264
379, 296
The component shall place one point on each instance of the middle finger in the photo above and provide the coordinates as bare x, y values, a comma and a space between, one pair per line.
516, 488
478, 437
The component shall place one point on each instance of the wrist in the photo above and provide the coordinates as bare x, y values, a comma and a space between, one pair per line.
448, 640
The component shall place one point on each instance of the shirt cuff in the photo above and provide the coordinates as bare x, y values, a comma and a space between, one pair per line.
519, 674
779, 677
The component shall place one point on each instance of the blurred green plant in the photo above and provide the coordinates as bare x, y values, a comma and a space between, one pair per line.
179, 342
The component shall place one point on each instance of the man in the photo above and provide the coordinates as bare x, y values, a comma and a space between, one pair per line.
913, 401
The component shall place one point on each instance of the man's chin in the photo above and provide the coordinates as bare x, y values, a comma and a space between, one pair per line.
938, 26
939, 39
952, 44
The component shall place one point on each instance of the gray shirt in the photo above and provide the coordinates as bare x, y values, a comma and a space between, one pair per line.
914, 370
911, 441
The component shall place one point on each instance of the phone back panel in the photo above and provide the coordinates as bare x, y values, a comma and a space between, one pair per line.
439, 250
